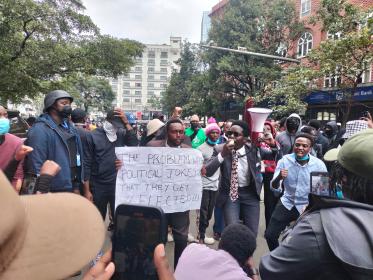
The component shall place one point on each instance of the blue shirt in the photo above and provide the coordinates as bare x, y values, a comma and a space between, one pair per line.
297, 183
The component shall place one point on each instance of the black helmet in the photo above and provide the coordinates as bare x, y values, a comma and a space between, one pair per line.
53, 96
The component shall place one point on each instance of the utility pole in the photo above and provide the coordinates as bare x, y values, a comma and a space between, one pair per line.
211, 46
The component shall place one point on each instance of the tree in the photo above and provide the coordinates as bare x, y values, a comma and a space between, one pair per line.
259, 26
345, 58
177, 93
348, 56
90, 91
46, 40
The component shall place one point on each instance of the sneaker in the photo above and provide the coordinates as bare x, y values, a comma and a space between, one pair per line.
191, 238
170, 238
217, 236
209, 240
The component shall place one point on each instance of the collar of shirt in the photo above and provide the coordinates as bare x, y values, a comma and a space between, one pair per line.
242, 151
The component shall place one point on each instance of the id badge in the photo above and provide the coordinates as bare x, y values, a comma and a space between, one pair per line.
78, 163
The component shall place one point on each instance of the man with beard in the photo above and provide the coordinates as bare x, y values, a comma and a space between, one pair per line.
54, 137
178, 221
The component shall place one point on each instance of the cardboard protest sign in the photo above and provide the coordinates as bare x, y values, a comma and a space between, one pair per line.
168, 178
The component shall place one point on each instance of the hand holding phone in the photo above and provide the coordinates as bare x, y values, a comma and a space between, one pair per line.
320, 184
137, 231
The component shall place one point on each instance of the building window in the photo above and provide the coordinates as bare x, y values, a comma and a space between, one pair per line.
138, 77
334, 36
163, 85
126, 84
137, 92
332, 81
126, 92
164, 54
151, 69
150, 93
138, 69
138, 60
151, 54
305, 7
164, 62
150, 85
137, 100
326, 116
304, 44
151, 62
126, 100
150, 77
163, 78
164, 70
137, 84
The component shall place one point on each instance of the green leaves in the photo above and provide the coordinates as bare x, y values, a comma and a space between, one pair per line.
42, 41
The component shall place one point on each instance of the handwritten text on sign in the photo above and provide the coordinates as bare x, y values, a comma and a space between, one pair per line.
169, 178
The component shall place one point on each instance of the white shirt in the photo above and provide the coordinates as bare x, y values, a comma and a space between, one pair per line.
243, 167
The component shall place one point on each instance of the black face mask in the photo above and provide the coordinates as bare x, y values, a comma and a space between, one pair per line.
292, 124
329, 133
65, 112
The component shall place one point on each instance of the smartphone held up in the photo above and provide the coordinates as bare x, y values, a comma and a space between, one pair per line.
137, 231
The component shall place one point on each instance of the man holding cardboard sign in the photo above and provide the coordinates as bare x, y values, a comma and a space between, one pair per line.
160, 175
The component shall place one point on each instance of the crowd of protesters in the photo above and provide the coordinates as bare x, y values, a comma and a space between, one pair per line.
322, 237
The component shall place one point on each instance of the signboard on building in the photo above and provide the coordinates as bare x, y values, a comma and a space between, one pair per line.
334, 96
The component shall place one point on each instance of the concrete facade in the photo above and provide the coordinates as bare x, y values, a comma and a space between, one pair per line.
147, 78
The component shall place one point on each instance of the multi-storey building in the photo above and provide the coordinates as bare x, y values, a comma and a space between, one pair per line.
147, 79
205, 26
324, 103
327, 102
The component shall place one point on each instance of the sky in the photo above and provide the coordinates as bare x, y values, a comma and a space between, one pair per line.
149, 21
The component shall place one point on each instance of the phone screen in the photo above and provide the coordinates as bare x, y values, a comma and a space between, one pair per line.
135, 238
320, 183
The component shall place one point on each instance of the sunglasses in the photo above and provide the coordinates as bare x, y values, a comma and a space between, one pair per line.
235, 134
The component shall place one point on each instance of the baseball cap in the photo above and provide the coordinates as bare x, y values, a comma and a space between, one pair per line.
356, 154
131, 118
47, 236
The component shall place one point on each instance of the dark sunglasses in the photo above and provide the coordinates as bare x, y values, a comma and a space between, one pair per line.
235, 134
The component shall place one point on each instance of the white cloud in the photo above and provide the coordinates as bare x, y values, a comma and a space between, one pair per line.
149, 21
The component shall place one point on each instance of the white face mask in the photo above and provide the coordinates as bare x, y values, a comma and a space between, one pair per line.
110, 130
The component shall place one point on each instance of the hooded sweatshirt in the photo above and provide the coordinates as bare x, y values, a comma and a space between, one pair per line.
333, 138
333, 240
285, 139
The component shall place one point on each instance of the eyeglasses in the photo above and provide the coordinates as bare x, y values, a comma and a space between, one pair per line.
235, 134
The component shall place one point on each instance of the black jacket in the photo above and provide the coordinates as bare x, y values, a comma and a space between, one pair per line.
254, 156
99, 155
332, 240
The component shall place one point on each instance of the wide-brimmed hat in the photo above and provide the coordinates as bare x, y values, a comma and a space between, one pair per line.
47, 236
153, 126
